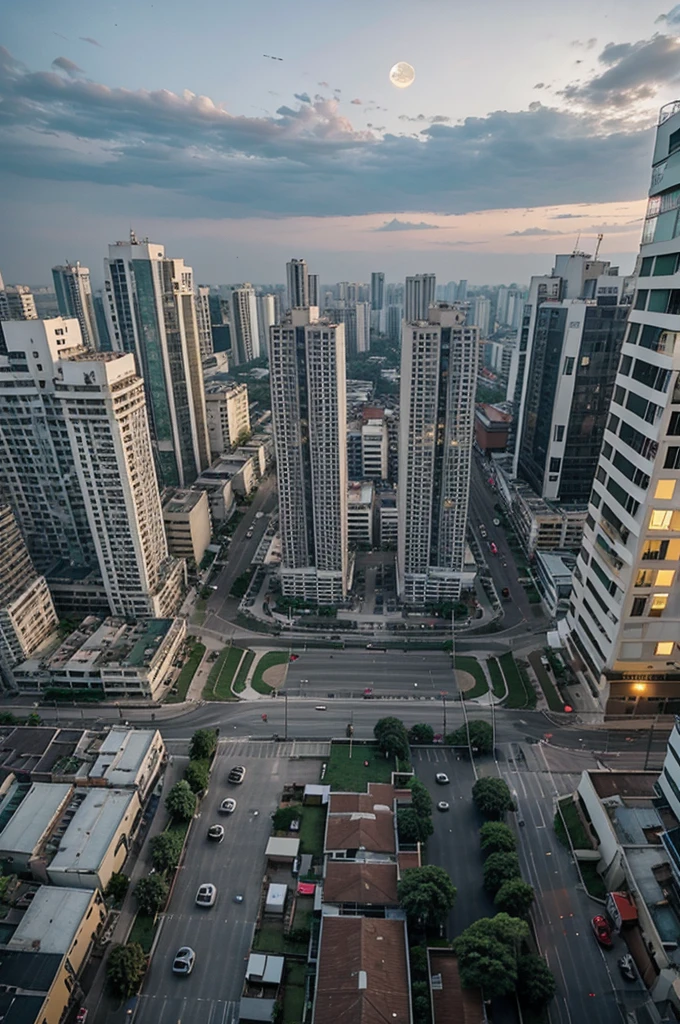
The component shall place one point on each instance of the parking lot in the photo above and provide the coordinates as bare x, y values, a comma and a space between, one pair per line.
220, 935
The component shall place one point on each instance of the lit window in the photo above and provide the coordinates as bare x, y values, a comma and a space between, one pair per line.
665, 490
659, 602
660, 519
665, 647
664, 577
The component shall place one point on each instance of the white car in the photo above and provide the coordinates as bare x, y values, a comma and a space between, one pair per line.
228, 806
442, 805
184, 961
206, 895
442, 778
258, 515
237, 774
216, 833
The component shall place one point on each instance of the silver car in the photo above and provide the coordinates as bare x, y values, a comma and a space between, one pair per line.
206, 895
184, 961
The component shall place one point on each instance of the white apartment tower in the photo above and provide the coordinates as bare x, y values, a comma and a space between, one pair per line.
17, 302
151, 312
203, 321
438, 377
297, 283
419, 295
623, 623
307, 374
228, 415
266, 318
481, 315
245, 338
78, 465
74, 299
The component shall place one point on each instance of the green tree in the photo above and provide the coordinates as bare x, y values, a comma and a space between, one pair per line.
492, 797
197, 774
500, 868
497, 837
481, 737
166, 850
535, 981
421, 734
421, 1009
180, 802
34, 719
487, 954
427, 894
421, 800
125, 969
283, 817
117, 887
418, 958
412, 827
203, 745
392, 738
151, 893
515, 897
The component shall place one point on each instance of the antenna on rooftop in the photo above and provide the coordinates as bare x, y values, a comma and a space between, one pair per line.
578, 239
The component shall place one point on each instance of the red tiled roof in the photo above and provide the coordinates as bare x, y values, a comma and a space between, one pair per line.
372, 831
452, 1004
409, 859
350, 882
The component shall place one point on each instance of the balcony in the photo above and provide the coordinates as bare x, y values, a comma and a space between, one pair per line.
668, 111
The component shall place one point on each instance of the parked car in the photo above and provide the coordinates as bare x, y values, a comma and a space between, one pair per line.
81, 1016
602, 930
294, 825
206, 895
258, 515
496, 522
237, 774
184, 961
626, 965
216, 833
249, 533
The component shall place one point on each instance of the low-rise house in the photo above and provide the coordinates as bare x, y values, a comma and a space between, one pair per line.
352, 885
35, 818
128, 758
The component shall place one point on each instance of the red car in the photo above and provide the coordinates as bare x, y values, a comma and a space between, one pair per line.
602, 929
81, 1016
294, 657
494, 549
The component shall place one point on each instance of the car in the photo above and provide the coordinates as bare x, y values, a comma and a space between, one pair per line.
295, 870
238, 898
493, 548
320, 707
368, 693
184, 961
442, 805
258, 515
294, 657
228, 806
249, 533
237, 774
216, 833
442, 778
602, 930
81, 1016
483, 533
626, 965
505, 592
496, 522
206, 895
294, 825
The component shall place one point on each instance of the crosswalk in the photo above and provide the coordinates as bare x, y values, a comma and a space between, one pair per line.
164, 1010
266, 749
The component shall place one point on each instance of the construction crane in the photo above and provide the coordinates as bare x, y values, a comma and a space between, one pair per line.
597, 248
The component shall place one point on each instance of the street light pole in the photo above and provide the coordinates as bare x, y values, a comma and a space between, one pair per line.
285, 716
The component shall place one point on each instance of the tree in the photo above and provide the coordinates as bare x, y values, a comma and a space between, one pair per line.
117, 887
418, 958
515, 897
391, 737
492, 797
283, 817
412, 827
180, 802
421, 734
420, 995
496, 837
125, 969
421, 801
166, 850
487, 954
34, 719
197, 774
500, 868
481, 737
427, 894
151, 893
535, 981
203, 745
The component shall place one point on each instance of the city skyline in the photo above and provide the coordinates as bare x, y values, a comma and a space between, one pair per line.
318, 152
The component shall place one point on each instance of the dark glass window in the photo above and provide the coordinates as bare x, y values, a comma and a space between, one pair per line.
646, 266
651, 376
658, 300
641, 298
674, 425
626, 362
638, 607
665, 265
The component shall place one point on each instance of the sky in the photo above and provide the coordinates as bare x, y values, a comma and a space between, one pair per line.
528, 131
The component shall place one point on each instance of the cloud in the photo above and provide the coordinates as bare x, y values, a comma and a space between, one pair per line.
422, 119
90, 40
307, 159
356, 103
440, 119
634, 73
64, 64
586, 44
406, 225
539, 85
672, 18
323, 85
303, 97
532, 233
568, 216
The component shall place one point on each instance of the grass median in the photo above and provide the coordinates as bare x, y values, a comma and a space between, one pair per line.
268, 660
521, 693
219, 685
240, 681
472, 666
497, 682
187, 674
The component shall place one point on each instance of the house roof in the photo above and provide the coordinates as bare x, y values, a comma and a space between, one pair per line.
362, 975
87, 839
282, 846
451, 1003
349, 882
383, 793
52, 921
34, 816
368, 830
32, 972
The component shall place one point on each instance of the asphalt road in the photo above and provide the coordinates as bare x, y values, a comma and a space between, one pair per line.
220, 935
350, 672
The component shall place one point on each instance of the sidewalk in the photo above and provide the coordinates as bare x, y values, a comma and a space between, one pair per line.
103, 1008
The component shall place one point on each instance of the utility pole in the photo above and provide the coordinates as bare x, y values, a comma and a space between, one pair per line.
285, 716
442, 694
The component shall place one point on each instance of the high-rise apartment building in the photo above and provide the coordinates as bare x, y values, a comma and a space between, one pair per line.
419, 295
314, 290
309, 415
74, 299
27, 615
356, 316
266, 318
17, 302
377, 291
393, 319
480, 315
245, 337
203, 320
152, 313
374, 446
438, 377
297, 283
624, 615
228, 415
78, 465
461, 291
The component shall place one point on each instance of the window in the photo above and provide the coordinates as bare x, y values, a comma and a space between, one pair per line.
661, 519
655, 550
558, 433
665, 265
658, 300
619, 395
646, 266
664, 577
674, 425
664, 647
672, 458
641, 298
624, 368
657, 606
651, 376
665, 489
555, 465
644, 577
568, 366
638, 607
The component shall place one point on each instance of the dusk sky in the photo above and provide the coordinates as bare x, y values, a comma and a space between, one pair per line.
528, 124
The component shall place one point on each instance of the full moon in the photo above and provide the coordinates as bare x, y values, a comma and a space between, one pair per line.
402, 75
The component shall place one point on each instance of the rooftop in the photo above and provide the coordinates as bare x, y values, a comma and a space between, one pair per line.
94, 825
122, 754
452, 1004
16, 1009
33, 817
282, 846
360, 494
557, 565
363, 973
348, 882
268, 970
97, 644
33, 972
494, 414
51, 922
183, 501
624, 784
372, 831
